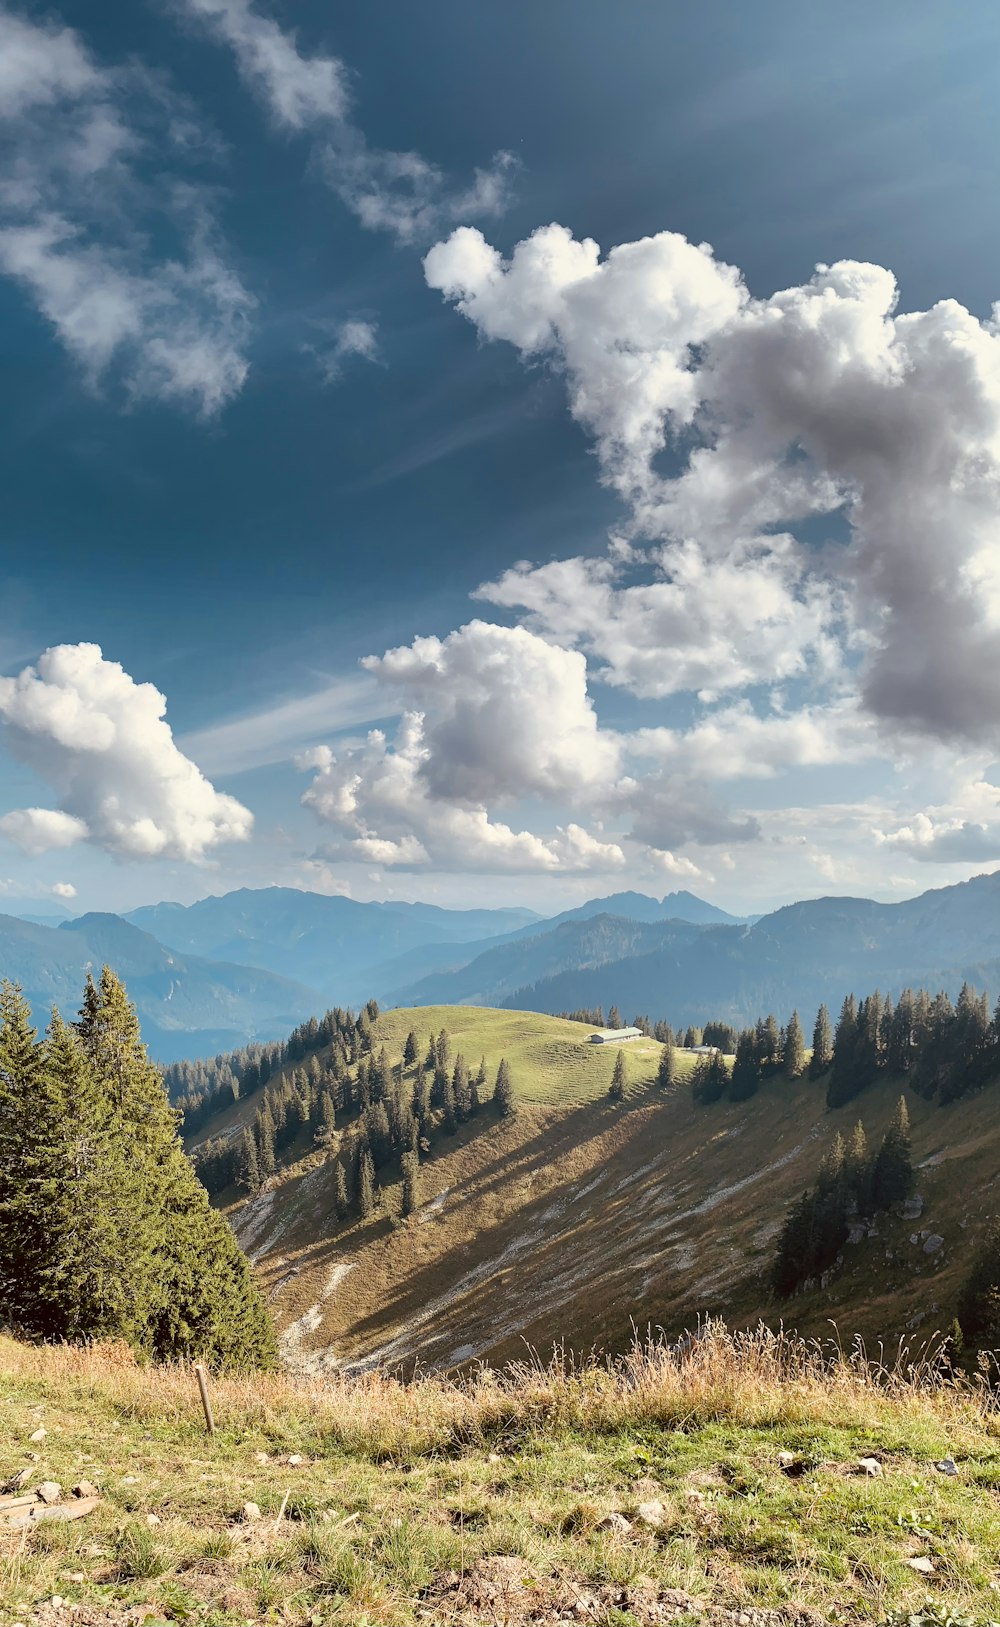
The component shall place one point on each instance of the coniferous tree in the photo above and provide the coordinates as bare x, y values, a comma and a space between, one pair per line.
746, 1075
503, 1091
461, 1089
341, 1194
449, 1115
614, 1018
859, 1168
411, 1050
248, 1165
892, 1174
366, 1184
409, 1167
822, 1047
616, 1089
666, 1072
843, 1080
794, 1048
123, 1242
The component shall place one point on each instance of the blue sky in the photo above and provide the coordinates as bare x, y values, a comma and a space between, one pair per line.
253, 434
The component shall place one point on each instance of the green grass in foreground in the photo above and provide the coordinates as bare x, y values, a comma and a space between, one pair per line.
404, 1484
550, 1059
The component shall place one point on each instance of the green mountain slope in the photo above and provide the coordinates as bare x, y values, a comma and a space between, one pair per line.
581, 1217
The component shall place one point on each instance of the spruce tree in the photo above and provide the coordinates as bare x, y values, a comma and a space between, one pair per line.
341, 1195
366, 1184
892, 1174
795, 1048
248, 1167
409, 1167
411, 1049
616, 1090
503, 1091
822, 1048
666, 1072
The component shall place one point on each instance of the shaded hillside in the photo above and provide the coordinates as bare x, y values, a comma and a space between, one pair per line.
579, 1216
796, 957
186, 1005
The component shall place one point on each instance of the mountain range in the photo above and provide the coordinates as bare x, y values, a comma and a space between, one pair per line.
251, 964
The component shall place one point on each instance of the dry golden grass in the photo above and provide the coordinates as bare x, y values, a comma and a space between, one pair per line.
375, 1492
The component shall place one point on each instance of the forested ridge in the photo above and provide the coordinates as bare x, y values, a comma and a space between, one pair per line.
369, 1110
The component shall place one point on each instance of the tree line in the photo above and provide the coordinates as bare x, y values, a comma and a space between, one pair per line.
105, 1231
851, 1181
203, 1089
371, 1112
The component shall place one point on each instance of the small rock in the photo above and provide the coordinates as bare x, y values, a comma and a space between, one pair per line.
913, 1207
152, 1520
871, 1467
652, 1513
617, 1523
923, 1566
791, 1465
76, 1576
40, 1433
130, 1480
261, 1457
85, 1488
947, 1466
56, 1602
50, 1491
933, 1243
250, 1512
295, 1460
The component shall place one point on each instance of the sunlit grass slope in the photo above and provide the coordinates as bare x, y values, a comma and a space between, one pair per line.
386, 1504
550, 1059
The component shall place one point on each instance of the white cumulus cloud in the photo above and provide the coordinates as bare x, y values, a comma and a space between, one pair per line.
822, 402
491, 715
101, 740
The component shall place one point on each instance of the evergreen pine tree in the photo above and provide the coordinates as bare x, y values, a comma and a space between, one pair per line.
616, 1089
366, 1184
503, 1091
666, 1072
822, 1047
795, 1048
411, 1049
341, 1195
248, 1167
410, 1182
892, 1173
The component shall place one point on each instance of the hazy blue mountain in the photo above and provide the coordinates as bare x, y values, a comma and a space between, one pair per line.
679, 906
187, 1006
798, 956
333, 944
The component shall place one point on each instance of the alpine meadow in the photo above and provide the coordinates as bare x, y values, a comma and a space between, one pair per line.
499, 814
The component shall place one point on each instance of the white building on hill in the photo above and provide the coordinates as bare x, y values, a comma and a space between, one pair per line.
614, 1036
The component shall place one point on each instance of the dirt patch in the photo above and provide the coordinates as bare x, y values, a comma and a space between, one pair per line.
504, 1591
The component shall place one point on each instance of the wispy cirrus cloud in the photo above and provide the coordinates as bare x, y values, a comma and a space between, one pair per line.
101, 166
401, 193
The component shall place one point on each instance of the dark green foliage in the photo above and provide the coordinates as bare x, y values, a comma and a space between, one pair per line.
366, 1184
410, 1168
666, 1072
978, 1309
822, 1046
892, 1173
411, 1050
616, 1089
747, 1070
794, 1049
503, 1091
849, 1182
341, 1193
710, 1078
105, 1232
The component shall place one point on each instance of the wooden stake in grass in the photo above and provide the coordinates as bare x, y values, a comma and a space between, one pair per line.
206, 1399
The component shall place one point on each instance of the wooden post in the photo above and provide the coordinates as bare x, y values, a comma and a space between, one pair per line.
205, 1397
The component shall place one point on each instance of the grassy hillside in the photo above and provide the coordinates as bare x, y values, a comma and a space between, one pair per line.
581, 1218
650, 1492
